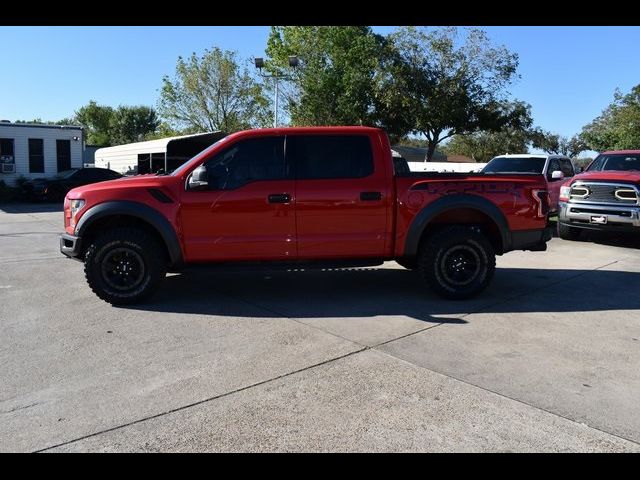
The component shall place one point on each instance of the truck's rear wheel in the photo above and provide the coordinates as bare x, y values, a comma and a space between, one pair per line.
124, 265
568, 233
457, 262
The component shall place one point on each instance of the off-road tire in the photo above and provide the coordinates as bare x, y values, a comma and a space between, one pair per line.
457, 262
128, 250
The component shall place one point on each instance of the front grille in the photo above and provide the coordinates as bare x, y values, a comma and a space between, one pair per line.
604, 193
621, 213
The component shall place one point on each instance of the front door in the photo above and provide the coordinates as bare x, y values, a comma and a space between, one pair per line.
247, 211
342, 196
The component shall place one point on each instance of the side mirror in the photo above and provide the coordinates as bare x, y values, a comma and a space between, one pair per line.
557, 175
198, 180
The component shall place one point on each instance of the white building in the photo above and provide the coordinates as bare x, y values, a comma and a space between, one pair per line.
37, 151
148, 157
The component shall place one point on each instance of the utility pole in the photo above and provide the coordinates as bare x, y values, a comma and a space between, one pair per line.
293, 63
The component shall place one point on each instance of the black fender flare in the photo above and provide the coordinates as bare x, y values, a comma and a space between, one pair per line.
139, 210
422, 220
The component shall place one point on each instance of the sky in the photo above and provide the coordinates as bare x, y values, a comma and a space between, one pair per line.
568, 74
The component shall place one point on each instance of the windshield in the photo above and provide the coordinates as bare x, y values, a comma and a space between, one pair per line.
618, 161
183, 167
65, 173
515, 165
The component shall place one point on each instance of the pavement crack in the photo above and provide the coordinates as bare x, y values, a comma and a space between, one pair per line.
522, 402
206, 400
293, 319
412, 333
21, 407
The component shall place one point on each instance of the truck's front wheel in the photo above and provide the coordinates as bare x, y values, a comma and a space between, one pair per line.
457, 262
124, 265
567, 232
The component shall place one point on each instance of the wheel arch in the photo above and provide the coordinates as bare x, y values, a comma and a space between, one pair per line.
459, 209
128, 213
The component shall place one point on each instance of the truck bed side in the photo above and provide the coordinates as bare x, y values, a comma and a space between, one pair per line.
505, 207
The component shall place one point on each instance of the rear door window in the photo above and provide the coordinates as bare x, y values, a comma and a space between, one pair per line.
330, 156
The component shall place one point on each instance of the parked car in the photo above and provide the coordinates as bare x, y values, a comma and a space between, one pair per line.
606, 196
555, 168
55, 188
330, 198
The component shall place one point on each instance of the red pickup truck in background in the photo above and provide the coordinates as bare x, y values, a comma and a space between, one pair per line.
605, 197
312, 196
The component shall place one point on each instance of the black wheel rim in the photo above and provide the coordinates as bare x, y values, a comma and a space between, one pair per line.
460, 265
123, 268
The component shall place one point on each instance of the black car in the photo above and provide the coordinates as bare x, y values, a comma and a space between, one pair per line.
55, 188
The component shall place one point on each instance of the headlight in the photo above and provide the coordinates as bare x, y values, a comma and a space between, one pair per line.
564, 194
74, 207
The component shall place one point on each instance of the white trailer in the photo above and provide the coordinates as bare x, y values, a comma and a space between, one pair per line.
165, 154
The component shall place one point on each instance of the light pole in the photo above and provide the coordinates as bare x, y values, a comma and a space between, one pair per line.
293, 63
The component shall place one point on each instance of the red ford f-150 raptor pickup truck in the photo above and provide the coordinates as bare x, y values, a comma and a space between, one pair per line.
604, 197
312, 196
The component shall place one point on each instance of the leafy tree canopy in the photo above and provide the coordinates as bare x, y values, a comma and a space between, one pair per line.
557, 144
213, 92
442, 87
333, 84
106, 125
618, 126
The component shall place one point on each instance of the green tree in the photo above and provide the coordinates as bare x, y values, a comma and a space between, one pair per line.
132, 124
582, 162
97, 122
212, 92
482, 146
557, 144
105, 126
334, 82
165, 130
441, 87
408, 141
618, 126
64, 121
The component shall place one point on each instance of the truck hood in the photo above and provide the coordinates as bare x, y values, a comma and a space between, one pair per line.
609, 175
138, 181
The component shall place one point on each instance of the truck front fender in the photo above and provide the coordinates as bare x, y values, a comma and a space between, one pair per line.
144, 213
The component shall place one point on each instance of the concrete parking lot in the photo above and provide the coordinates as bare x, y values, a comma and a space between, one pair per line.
548, 359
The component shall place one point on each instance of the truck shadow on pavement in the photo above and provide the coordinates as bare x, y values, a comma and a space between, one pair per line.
369, 292
30, 207
625, 240
612, 239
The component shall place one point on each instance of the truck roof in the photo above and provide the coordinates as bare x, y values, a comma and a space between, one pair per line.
530, 155
280, 130
622, 152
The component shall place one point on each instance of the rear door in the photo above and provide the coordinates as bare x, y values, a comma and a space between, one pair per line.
342, 197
